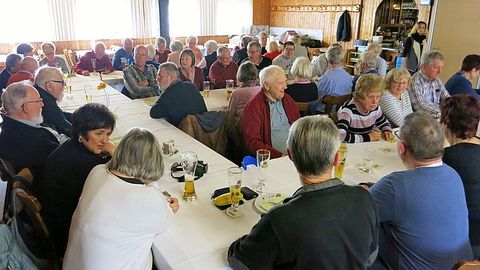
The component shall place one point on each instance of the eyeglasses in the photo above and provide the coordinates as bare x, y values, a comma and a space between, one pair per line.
33, 101
62, 82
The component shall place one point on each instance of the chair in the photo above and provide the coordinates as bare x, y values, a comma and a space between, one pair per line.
71, 58
6, 174
303, 108
332, 103
468, 265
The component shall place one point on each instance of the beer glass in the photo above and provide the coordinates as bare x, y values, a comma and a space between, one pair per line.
235, 183
229, 85
263, 156
342, 156
206, 88
189, 164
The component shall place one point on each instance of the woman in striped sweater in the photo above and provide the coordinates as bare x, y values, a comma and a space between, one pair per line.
357, 119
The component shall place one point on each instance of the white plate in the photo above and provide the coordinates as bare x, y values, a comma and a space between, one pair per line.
265, 202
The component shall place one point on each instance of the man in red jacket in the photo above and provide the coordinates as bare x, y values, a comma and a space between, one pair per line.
267, 117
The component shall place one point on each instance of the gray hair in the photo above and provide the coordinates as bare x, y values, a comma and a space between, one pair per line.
176, 46
12, 60
190, 38
151, 51
211, 45
375, 48
369, 58
262, 33
302, 67
423, 136
255, 44
272, 46
45, 74
268, 74
14, 96
431, 57
335, 55
160, 40
170, 67
245, 40
48, 44
136, 48
138, 155
221, 49
247, 71
313, 142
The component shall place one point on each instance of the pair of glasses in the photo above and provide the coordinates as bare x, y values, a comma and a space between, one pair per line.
62, 82
33, 101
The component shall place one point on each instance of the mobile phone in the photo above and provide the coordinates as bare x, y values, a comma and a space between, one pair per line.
248, 194
166, 193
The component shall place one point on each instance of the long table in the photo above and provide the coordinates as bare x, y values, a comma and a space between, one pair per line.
215, 101
200, 234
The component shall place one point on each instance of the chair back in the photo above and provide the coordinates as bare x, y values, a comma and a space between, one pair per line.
6, 174
332, 103
468, 265
71, 58
302, 107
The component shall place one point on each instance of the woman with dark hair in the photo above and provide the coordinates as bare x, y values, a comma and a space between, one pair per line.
68, 166
459, 116
460, 82
121, 209
415, 47
188, 71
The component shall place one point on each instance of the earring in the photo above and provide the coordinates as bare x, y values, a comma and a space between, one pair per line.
79, 139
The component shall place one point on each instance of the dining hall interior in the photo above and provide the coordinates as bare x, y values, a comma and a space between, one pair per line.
240, 134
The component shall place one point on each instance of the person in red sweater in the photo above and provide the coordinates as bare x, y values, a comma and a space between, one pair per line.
95, 60
223, 69
267, 117
28, 65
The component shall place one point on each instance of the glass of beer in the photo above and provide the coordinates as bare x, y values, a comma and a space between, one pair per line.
263, 156
342, 156
189, 164
229, 85
235, 183
206, 88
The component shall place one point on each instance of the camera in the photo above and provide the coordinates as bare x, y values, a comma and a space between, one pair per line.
176, 171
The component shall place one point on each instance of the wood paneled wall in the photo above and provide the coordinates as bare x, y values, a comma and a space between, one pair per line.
261, 12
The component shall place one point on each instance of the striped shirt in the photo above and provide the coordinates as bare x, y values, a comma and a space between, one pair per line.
395, 109
426, 94
355, 127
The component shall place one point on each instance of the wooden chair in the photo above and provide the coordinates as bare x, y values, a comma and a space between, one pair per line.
303, 108
6, 174
332, 103
468, 265
71, 58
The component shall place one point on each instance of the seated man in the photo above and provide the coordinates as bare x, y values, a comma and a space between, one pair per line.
95, 60
23, 142
51, 59
461, 82
336, 81
423, 213
50, 85
366, 65
254, 56
300, 50
242, 54
25, 49
28, 66
285, 60
262, 39
267, 117
139, 78
223, 69
179, 99
381, 65
324, 225
123, 56
426, 90
162, 51
12, 66
320, 63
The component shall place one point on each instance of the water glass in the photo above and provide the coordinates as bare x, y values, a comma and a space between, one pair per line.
235, 184
368, 157
263, 156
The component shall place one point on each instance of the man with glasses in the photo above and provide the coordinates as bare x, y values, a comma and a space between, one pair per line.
50, 85
285, 60
254, 50
23, 142
223, 69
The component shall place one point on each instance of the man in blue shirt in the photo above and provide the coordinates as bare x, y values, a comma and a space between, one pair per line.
423, 213
460, 82
123, 56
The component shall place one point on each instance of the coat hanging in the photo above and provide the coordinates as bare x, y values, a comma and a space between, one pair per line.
344, 29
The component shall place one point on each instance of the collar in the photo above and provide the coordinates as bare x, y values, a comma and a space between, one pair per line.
316, 187
269, 98
28, 123
303, 81
26, 72
173, 83
433, 165
423, 76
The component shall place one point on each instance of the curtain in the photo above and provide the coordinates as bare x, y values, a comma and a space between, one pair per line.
163, 19
207, 9
144, 18
63, 14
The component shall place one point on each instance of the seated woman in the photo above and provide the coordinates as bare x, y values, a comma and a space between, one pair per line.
247, 77
302, 89
121, 209
176, 47
68, 166
272, 50
460, 82
51, 59
460, 115
188, 71
191, 43
358, 117
395, 103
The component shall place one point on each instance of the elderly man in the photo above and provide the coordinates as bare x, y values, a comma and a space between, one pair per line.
254, 56
223, 69
320, 63
286, 59
162, 51
426, 90
12, 66
50, 59
191, 43
50, 85
28, 66
268, 115
139, 78
423, 213
242, 54
381, 65
23, 142
95, 60
123, 56
262, 39
366, 65
324, 225
179, 98
336, 81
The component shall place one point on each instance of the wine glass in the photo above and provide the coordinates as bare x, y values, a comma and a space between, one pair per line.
88, 93
235, 184
189, 164
263, 156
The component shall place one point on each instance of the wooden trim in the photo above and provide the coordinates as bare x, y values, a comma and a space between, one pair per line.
316, 8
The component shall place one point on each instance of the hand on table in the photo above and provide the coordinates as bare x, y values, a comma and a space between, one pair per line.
173, 202
387, 136
374, 135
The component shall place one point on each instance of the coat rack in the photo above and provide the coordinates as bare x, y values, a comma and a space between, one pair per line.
316, 8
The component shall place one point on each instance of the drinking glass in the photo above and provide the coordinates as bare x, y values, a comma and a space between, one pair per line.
124, 62
229, 85
368, 156
189, 164
68, 91
263, 156
235, 183
94, 64
342, 151
88, 93
206, 88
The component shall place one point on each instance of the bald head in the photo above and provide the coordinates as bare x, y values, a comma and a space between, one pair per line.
29, 64
99, 50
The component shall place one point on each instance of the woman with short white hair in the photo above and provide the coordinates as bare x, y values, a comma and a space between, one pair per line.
302, 89
381, 65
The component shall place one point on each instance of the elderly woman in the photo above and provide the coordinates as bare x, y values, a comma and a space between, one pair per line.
366, 65
459, 116
395, 103
211, 56
67, 168
247, 78
151, 56
415, 47
191, 43
358, 117
381, 65
176, 47
121, 209
188, 71
162, 51
51, 59
272, 50
303, 89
